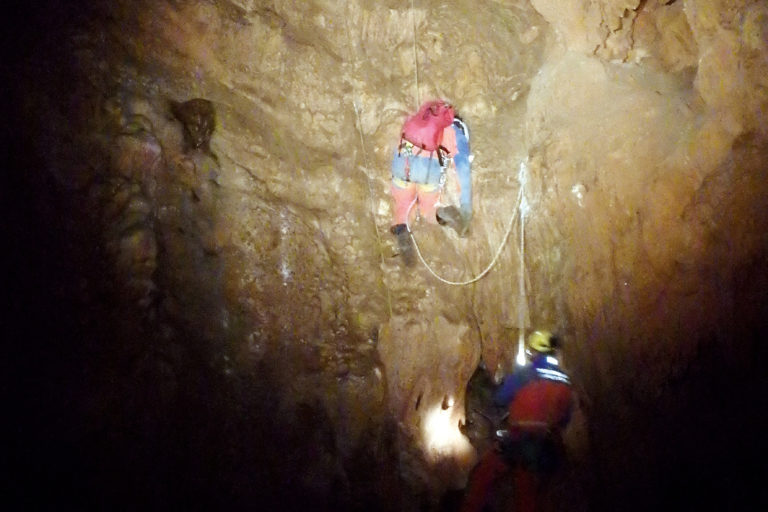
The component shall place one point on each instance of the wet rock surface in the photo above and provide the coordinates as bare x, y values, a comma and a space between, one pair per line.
207, 307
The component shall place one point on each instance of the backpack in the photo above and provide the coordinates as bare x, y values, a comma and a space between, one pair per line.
424, 129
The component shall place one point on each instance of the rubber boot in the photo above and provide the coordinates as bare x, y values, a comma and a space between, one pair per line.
451, 216
404, 243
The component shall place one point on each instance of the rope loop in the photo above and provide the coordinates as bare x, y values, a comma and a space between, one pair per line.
490, 265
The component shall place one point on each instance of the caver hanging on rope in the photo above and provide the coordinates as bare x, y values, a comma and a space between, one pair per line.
432, 141
458, 218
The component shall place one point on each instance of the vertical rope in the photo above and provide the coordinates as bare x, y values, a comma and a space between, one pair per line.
359, 126
522, 301
415, 59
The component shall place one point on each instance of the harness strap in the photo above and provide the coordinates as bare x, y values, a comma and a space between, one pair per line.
408, 147
440, 150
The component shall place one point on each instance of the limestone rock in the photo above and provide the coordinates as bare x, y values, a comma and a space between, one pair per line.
242, 331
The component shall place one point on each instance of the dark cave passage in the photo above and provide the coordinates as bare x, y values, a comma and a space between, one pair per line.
230, 327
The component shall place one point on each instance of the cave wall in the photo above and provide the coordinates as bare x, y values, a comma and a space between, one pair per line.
657, 277
250, 300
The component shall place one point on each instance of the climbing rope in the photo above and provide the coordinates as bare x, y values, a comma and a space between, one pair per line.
519, 202
415, 58
359, 126
522, 177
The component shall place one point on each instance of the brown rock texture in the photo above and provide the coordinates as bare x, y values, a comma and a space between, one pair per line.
229, 317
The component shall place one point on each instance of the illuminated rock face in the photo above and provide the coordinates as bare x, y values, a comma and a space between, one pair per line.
241, 307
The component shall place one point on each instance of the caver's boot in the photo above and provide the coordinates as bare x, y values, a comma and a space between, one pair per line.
451, 216
404, 243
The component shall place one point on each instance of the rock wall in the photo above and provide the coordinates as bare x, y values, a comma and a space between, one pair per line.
647, 162
238, 310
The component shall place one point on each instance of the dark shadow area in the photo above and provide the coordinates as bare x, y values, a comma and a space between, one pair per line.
699, 443
109, 406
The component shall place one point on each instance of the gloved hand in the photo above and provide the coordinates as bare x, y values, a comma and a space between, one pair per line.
466, 213
452, 217
466, 216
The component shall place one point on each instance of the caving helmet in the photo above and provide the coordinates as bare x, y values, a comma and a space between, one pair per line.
542, 342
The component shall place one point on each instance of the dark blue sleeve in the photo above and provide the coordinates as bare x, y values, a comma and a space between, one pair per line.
512, 384
463, 171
